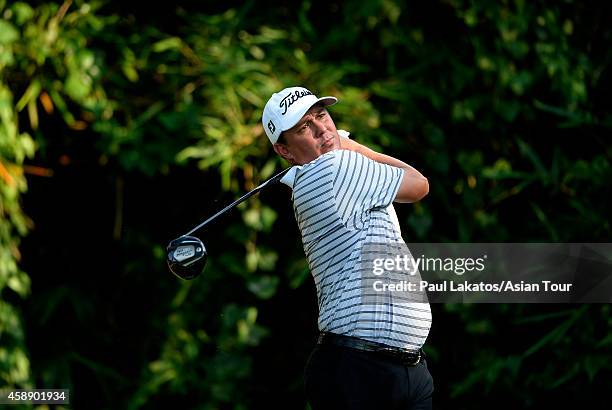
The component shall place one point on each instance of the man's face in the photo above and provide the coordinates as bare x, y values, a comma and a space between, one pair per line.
314, 135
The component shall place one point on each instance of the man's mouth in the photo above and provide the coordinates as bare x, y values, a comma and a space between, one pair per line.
327, 144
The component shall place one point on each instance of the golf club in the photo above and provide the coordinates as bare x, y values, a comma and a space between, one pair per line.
186, 255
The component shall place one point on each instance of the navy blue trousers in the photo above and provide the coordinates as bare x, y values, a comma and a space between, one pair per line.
342, 378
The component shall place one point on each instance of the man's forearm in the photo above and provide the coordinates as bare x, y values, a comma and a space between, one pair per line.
352, 145
414, 185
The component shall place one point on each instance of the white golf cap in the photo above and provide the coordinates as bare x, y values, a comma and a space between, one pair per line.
285, 108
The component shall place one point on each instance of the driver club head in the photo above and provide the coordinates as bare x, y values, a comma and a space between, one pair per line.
186, 257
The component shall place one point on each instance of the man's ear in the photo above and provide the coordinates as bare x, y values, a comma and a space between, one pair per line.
283, 151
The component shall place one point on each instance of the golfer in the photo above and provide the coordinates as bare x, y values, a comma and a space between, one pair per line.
368, 355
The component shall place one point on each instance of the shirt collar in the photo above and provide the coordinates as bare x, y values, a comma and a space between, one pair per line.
289, 178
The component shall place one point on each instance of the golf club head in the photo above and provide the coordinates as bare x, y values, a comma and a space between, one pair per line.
186, 257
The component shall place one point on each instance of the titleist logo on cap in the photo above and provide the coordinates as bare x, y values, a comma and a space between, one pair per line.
288, 101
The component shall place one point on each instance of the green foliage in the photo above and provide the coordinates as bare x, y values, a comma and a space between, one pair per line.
42, 58
498, 103
180, 367
15, 146
539, 363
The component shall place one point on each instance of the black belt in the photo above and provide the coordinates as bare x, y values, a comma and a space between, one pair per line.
404, 356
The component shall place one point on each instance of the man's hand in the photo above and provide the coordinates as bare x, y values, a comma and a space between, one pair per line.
414, 185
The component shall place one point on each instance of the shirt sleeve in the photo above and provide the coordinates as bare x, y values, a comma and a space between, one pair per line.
361, 184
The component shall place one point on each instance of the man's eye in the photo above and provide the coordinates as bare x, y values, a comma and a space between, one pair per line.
321, 115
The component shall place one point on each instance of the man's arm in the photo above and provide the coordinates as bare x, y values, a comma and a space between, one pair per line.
414, 185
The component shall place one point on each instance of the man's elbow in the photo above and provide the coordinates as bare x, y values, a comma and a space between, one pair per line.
413, 189
423, 189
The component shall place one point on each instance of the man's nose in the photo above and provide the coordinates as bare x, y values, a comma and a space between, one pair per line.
318, 127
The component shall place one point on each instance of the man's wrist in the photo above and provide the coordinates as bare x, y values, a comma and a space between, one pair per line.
351, 145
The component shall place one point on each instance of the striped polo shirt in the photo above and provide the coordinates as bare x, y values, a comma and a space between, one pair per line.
340, 202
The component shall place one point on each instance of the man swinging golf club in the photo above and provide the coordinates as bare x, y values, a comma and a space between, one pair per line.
368, 355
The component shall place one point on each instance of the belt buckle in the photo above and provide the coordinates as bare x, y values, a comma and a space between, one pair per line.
419, 357
402, 356
411, 363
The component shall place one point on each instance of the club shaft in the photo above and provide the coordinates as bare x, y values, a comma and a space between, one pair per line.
243, 198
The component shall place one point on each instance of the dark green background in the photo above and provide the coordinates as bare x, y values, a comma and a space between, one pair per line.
124, 125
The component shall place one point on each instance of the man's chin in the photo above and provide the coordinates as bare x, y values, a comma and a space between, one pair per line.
325, 150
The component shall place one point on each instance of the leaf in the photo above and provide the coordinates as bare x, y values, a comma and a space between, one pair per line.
470, 161
8, 32
530, 153
541, 215
31, 93
77, 85
264, 287
168, 44
23, 12
555, 334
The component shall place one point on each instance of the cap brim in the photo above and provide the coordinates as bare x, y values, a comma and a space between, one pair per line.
327, 101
